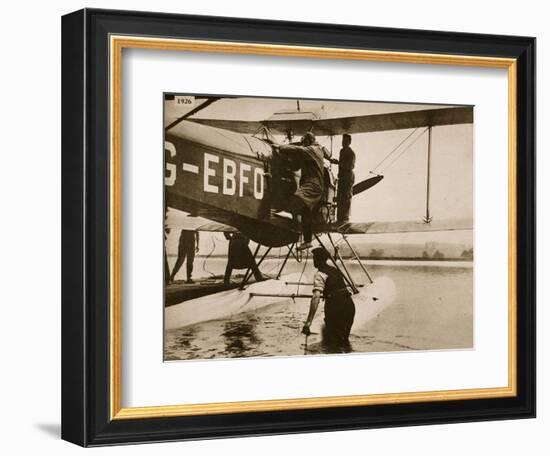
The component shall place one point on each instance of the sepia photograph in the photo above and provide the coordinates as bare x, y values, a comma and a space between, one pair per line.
340, 233
298, 227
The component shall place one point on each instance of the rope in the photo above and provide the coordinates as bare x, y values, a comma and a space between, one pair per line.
208, 256
393, 150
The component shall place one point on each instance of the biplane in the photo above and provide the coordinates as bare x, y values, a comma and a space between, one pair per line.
228, 176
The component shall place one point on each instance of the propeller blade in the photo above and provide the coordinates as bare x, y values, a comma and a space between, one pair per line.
366, 184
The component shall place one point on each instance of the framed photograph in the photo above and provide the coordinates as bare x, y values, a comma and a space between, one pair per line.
279, 227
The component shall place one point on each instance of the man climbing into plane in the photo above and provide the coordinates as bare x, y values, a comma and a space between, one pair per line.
308, 157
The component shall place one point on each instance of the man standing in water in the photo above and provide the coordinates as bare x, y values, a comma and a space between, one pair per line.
339, 308
308, 157
188, 245
346, 179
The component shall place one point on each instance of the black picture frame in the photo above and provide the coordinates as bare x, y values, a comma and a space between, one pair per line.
86, 414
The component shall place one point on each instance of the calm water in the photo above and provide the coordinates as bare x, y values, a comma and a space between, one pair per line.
433, 309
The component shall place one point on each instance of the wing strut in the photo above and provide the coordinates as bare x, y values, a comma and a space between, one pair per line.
339, 257
357, 258
249, 271
193, 111
286, 259
427, 218
346, 278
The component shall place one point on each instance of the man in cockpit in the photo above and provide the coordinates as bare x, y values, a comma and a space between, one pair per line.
308, 157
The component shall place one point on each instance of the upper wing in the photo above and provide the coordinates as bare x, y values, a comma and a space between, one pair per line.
394, 121
299, 125
239, 126
173, 112
414, 226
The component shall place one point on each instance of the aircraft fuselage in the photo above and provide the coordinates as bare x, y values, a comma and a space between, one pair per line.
221, 175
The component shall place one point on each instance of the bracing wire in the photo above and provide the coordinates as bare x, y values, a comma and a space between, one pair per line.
405, 149
393, 151
276, 265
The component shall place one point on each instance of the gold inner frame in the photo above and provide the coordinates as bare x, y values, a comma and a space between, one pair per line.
117, 44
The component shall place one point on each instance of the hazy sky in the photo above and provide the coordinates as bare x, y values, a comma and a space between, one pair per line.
402, 193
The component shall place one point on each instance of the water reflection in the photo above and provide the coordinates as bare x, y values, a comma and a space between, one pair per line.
240, 336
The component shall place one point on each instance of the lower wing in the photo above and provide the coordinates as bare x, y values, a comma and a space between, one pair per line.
177, 220
412, 226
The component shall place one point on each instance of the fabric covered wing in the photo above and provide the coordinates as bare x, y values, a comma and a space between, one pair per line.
405, 226
176, 220
394, 121
239, 126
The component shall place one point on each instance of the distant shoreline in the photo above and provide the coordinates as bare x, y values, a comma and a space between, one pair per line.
393, 258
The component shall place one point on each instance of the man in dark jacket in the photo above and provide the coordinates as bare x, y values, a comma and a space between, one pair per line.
187, 246
239, 256
339, 308
346, 179
308, 157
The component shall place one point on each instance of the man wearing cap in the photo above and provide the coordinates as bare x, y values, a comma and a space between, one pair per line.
308, 157
346, 179
339, 308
